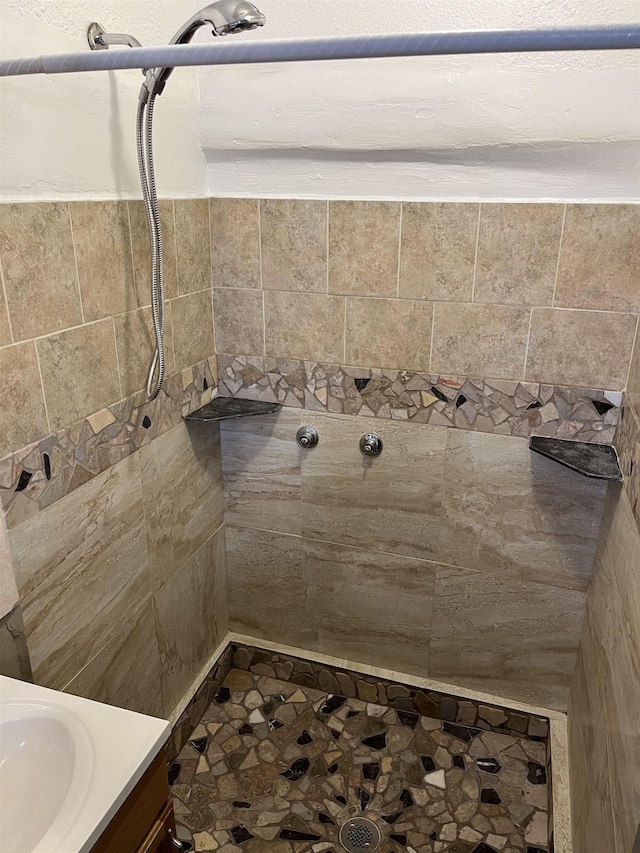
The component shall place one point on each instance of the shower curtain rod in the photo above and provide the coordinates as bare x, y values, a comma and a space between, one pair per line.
623, 37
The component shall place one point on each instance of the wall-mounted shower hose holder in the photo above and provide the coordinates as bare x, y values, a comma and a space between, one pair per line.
307, 437
371, 444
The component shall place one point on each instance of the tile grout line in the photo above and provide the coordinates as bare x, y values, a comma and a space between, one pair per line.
327, 250
6, 304
555, 281
264, 316
526, 349
133, 263
344, 330
210, 288
399, 249
44, 396
75, 259
636, 343
115, 344
475, 256
433, 327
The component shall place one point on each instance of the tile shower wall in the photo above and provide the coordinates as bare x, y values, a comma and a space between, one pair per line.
456, 555
113, 506
604, 725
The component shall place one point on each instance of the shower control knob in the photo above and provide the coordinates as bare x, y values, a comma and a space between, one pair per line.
307, 437
371, 444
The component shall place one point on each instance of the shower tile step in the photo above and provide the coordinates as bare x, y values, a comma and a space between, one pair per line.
225, 408
599, 461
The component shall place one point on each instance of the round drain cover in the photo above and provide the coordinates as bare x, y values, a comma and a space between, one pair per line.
360, 834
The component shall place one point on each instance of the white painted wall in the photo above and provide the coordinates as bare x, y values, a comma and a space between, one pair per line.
556, 126
72, 136
544, 126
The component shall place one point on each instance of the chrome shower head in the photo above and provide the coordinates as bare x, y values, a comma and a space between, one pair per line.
225, 17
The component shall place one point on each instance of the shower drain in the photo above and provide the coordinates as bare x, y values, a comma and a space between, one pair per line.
359, 834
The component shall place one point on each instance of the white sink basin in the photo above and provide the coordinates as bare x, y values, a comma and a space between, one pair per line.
66, 766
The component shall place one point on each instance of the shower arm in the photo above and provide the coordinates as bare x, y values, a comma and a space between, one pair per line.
100, 40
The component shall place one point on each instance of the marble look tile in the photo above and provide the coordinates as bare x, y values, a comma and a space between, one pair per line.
8, 589
79, 372
142, 252
193, 244
266, 586
261, 469
23, 418
192, 319
136, 344
39, 269
510, 637
304, 325
239, 320
390, 503
127, 671
82, 571
182, 481
191, 617
513, 512
518, 248
103, 253
363, 247
294, 244
235, 242
633, 382
600, 258
585, 348
14, 653
392, 333
5, 331
437, 252
482, 340
370, 607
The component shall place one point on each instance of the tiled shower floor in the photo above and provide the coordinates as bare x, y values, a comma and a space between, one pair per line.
277, 768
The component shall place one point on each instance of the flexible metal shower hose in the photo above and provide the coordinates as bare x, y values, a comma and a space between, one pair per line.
144, 140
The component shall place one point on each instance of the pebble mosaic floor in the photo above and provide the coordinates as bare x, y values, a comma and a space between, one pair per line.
278, 768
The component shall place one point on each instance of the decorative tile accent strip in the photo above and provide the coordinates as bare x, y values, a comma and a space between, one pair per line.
484, 405
627, 443
38, 475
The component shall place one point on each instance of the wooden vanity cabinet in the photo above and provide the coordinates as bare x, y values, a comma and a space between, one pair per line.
145, 821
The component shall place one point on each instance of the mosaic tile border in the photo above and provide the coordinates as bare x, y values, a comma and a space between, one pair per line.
627, 443
493, 406
330, 679
47, 470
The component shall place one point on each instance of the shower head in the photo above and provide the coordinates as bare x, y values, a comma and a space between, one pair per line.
225, 17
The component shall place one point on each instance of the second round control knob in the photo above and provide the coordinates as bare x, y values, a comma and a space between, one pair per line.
371, 444
307, 437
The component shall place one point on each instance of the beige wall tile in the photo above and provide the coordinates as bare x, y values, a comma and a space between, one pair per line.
392, 333
518, 248
262, 476
479, 340
79, 372
192, 320
22, 413
142, 251
82, 570
8, 589
193, 244
239, 321
103, 253
126, 672
509, 511
438, 250
5, 331
505, 636
600, 258
294, 244
39, 268
266, 585
136, 343
14, 652
182, 480
633, 384
191, 614
304, 325
235, 242
583, 348
369, 607
391, 503
363, 247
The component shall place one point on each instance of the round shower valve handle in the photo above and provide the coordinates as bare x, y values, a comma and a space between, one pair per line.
371, 444
307, 437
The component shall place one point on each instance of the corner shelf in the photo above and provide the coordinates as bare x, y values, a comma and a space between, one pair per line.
225, 408
599, 461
